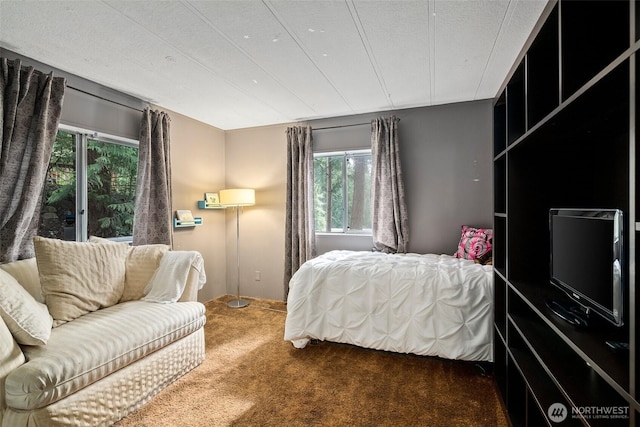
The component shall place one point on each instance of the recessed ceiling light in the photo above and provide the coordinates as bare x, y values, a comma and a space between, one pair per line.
275, 40
255, 81
246, 36
311, 30
325, 54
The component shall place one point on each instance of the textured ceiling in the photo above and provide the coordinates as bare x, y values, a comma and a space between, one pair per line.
244, 63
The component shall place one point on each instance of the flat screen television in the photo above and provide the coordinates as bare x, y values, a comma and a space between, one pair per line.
586, 263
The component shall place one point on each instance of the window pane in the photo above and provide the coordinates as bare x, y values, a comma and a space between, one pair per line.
359, 192
328, 192
320, 192
342, 187
336, 194
59, 204
111, 187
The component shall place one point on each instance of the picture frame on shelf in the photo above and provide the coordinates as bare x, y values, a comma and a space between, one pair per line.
184, 215
212, 198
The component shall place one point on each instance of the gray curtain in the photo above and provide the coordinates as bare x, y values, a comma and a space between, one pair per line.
30, 109
299, 228
390, 220
152, 220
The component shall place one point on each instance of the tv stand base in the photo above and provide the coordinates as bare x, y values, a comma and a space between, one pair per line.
569, 312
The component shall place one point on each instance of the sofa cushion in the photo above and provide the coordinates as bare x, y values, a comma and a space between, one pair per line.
141, 264
93, 346
28, 320
78, 278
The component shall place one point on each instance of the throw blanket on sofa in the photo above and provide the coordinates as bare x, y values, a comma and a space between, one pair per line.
170, 278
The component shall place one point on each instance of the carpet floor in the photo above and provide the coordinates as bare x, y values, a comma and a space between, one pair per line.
252, 377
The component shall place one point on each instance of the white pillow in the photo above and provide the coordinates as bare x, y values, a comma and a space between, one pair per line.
25, 272
28, 320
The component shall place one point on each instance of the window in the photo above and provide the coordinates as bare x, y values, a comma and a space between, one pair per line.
342, 192
90, 187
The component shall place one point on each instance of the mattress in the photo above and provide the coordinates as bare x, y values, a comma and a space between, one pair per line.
432, 305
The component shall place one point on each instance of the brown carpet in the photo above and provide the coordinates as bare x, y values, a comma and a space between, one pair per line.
252, 377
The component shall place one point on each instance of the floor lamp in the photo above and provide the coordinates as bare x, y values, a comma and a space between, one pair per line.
238, 197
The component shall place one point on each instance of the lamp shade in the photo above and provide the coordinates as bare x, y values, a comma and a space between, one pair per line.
238, 197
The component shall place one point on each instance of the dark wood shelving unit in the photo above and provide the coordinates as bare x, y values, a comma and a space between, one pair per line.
564, 137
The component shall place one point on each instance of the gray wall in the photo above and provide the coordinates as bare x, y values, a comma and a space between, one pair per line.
446, 154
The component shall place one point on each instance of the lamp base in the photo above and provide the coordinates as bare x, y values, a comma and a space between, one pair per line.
238, 303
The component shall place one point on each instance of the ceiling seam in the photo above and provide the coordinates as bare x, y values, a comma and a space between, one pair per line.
506, 19
211, 25
431, 57
298, 42
194, 60
367, 47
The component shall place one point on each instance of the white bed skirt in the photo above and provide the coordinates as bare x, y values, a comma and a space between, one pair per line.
432, 305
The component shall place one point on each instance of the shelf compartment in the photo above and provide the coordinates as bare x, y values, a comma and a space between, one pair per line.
500, 304
516, 106
543, 390
500, 364
585, 52
557, 165
543, 71
500, 185
204, 205
500, 125
500, 244
566, 350
177, 223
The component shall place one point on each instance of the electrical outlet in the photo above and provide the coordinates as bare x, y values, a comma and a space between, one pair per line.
257, 275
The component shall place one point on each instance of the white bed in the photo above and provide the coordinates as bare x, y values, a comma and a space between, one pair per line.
432, 305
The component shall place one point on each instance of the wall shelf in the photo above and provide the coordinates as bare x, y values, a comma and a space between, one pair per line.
204, 205
187, 223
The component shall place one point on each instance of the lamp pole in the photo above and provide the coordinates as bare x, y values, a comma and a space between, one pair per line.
238, 303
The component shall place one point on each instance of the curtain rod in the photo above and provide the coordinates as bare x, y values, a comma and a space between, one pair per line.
104, 99
342, 126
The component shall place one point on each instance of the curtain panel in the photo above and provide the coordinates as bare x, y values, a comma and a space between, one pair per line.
30, 110
389, 210
152, 220
299, 227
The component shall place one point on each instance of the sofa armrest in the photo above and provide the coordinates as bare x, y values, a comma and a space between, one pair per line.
190, 292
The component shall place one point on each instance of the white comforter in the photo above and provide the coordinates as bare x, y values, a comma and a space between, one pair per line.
434, 305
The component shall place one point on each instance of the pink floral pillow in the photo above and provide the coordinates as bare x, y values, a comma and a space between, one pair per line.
474, 242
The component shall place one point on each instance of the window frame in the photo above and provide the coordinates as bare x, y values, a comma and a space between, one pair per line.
81, 139
346, 230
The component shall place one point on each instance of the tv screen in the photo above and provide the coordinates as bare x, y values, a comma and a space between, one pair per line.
586, 259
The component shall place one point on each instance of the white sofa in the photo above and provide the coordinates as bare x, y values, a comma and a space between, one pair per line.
95, 368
